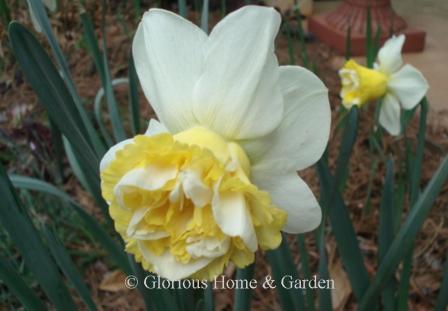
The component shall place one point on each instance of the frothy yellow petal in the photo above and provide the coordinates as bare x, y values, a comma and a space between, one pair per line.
162, 190
361, 84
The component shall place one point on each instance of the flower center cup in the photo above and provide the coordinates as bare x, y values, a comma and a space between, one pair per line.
185, 205
361, 84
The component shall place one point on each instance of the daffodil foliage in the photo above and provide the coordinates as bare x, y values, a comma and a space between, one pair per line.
214, 179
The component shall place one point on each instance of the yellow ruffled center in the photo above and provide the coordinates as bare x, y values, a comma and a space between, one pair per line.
361, 84
172, 199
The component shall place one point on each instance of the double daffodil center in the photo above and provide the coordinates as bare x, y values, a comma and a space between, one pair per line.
228, 153
187, 199
361, 84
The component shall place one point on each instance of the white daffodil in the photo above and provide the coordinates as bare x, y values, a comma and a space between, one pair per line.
216, 178
399, 87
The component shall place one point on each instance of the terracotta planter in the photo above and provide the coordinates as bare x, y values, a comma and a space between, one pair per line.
331, 27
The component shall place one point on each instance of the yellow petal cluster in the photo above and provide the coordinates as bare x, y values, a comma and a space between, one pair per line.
361, 84
167, 210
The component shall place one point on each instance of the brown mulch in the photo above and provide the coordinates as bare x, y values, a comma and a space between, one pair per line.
22, 119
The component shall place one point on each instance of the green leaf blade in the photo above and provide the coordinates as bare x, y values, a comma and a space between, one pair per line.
386, 232
282, 265
51, 90
25, 236
116, 253
18, 287
243, 297
68, 267
406, 235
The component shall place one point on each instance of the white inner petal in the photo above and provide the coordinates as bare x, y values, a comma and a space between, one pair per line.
135, 220
148, 235
149, 178
190, 185
142, 234
232, 216
210, 248
195, 189
349, 78
168, 267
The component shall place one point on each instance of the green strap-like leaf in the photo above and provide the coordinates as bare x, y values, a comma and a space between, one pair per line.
306, 271
223, 8
25, 236
57, 152
348, 43
415, 167
41, 16
209, 299
282, 265
91, 224
386, 232
243, 297
147, 295
112, 105
325, 303
18, 287
405, 237
341, 223
88, 179
68, 267
291, 43
182, 4
204, 16
369, 40
99, 115
301, 34
324, 295
101, 64
138, 9
51, 90
92, 43
347, 142
5, 15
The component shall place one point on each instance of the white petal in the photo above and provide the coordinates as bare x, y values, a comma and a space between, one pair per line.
149, 235
390, 114
168, 56
168, 267
211, 248
135, 220
303, 134
389, 56
409, 86
232, 217
195, 189
155, 127
149, 178
237, 95
292, 194
110, 154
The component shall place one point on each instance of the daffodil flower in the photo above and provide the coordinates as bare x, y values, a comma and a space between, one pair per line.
399, 87
215, 179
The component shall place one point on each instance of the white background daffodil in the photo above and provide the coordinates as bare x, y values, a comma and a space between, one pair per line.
399, 87
216, 178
